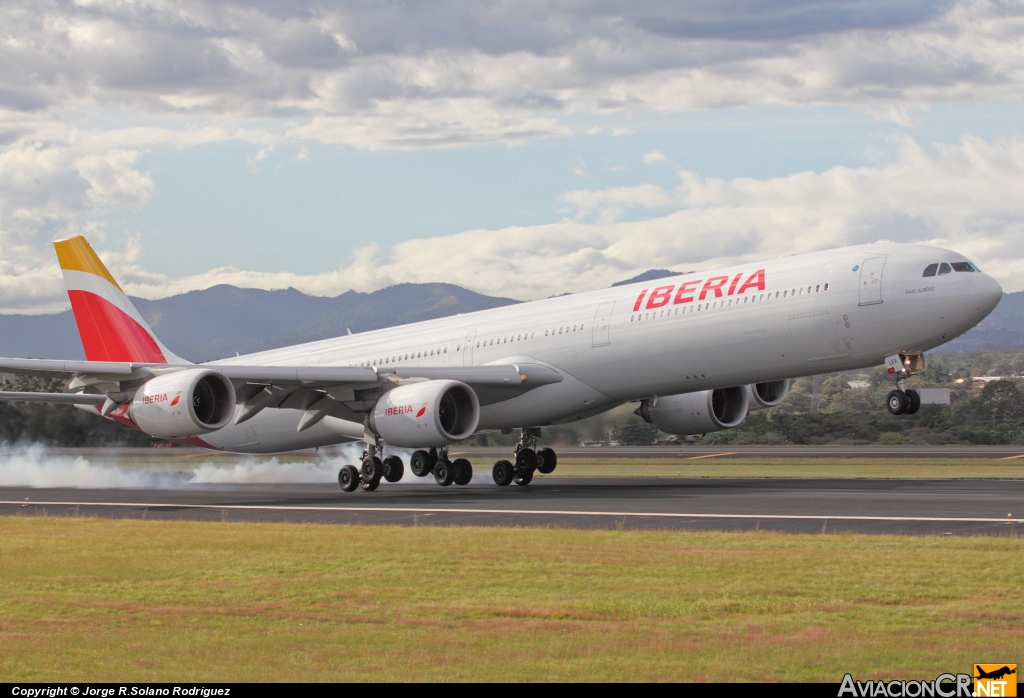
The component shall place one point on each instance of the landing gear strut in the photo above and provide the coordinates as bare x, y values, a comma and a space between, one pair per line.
902, 400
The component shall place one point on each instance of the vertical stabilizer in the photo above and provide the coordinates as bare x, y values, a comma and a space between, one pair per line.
110, 327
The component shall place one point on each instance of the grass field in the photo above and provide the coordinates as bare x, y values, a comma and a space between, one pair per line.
88, 599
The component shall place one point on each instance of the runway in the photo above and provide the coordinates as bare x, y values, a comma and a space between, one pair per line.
921, 507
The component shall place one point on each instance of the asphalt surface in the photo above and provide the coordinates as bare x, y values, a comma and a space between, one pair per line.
655, 452
922, 507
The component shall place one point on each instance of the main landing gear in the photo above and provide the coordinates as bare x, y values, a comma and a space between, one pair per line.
446, 472
527, 461
372, 470
903, 400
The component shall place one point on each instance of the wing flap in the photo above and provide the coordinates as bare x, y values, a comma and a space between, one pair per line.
55, 398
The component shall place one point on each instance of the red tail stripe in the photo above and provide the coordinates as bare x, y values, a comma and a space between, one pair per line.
109, 334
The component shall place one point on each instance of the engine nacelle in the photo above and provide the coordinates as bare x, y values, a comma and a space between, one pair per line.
431, 413
182, 404
697, 413
768, 394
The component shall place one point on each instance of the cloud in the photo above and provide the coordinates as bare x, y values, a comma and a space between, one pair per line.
963, 196
91, 86
579, 168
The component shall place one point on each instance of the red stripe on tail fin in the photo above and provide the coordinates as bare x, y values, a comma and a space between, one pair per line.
109, 334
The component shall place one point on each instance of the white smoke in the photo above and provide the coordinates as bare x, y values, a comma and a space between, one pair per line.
37, 466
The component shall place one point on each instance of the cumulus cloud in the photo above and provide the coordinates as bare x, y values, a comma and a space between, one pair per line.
89, 86
963, 196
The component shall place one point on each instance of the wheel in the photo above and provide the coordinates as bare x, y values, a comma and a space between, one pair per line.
502, 473
897, 402
373, 470
348, 478
394, 468
526, 459
370, 485
525, 477
420, 463
463, 471
444, 473
914, 398
546, 461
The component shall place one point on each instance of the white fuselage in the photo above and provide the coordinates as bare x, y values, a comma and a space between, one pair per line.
800, 315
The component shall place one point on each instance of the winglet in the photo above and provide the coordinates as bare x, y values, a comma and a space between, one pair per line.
109, 325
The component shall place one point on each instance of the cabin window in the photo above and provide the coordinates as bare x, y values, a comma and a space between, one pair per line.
826, 287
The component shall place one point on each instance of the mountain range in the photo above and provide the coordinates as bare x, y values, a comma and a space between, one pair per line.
218, 322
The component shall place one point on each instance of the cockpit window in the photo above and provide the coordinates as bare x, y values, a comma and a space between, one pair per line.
962, 266
931, 269
944, 269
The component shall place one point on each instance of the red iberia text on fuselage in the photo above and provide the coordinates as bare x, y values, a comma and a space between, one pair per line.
700, 289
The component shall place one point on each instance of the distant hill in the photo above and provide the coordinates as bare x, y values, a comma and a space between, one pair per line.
218, 322
1003, 328
649, 275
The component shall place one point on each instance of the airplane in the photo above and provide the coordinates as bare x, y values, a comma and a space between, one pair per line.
696, 352
995, 674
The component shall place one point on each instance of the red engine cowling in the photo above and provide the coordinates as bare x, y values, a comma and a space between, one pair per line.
768, 394
697, 413
431, 413
182, 404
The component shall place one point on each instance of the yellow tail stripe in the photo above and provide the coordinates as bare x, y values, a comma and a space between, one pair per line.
76, 254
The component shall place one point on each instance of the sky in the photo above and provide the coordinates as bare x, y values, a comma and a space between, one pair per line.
521, 149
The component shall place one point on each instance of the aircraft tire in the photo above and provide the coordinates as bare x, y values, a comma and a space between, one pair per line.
546, 460
525, 477
370, 485
348, 478
420, 463
914, 398
526, 459
394, 468
463, 471
502, 473
373, 470
444, 473
897, 402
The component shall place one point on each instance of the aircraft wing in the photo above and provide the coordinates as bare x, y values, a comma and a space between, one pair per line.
341, 390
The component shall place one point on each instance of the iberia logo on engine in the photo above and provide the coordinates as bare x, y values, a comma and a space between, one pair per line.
404, 409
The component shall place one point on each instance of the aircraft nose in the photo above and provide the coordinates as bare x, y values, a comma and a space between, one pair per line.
986, 292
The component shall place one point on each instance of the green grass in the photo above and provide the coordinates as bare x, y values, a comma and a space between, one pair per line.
98, 600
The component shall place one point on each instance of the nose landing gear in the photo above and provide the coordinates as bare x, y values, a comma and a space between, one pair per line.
902, 400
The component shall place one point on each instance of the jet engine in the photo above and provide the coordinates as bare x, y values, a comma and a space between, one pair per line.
430, 413
768, 394
184, 403
697, 413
